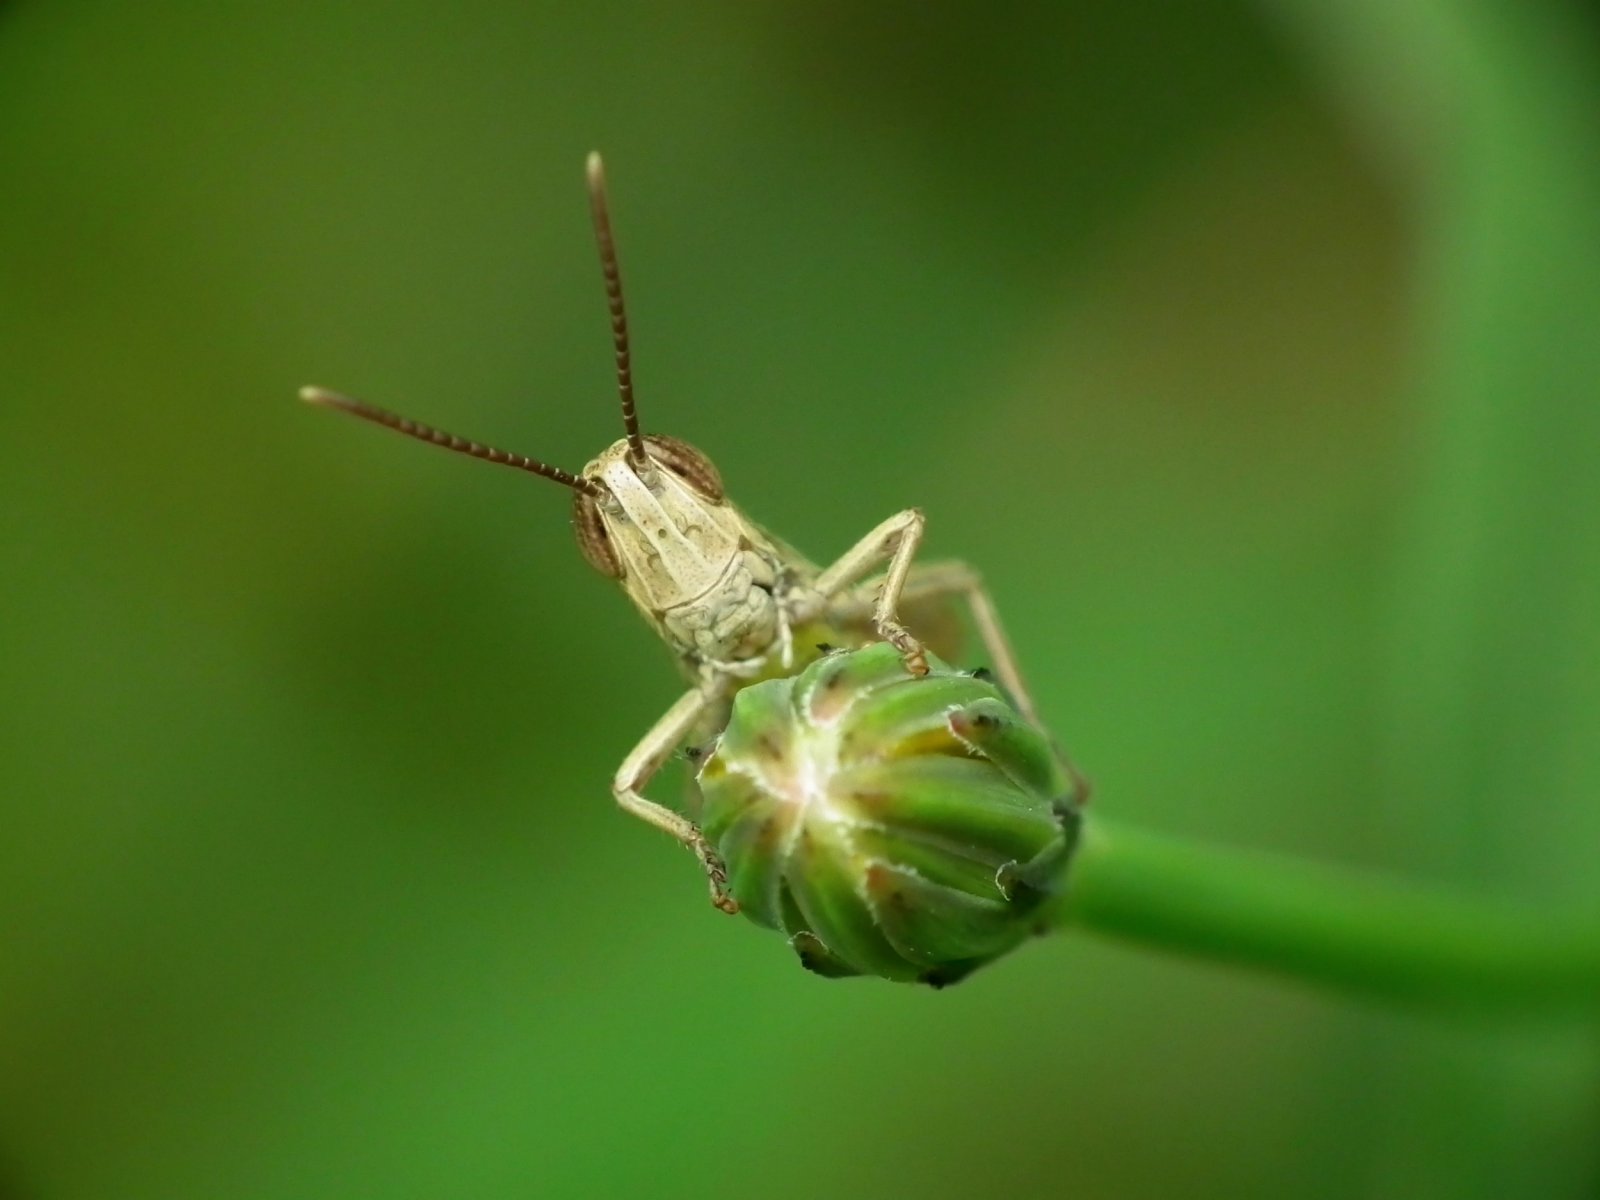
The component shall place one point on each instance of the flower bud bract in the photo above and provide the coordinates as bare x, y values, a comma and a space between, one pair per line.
888, 824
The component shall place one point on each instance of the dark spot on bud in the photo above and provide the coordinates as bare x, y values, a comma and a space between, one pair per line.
982, 673
814, 954
984, 720
948, 973
1069, 815
826, 648
695, 754
809, 959
872, 801
884, 886
1015, 886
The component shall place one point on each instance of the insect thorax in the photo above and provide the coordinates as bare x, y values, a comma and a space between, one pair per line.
740, 619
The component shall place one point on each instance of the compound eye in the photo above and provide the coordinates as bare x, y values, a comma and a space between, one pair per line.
687, 463
593, 540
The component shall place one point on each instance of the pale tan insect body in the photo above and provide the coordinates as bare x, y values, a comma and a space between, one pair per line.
730, 600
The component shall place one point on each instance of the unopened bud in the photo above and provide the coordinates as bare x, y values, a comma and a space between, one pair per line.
903, 826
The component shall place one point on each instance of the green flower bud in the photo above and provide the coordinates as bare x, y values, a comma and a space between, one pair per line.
891, 825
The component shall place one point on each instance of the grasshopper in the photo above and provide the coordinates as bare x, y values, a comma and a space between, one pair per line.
733, 603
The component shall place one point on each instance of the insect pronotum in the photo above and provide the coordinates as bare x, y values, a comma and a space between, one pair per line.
732, 602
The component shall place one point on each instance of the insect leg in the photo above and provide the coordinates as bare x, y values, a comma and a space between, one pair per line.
654, 749
895, 540
960, 579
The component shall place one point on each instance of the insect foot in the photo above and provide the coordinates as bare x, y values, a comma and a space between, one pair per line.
912, 653
908, 827
717, 873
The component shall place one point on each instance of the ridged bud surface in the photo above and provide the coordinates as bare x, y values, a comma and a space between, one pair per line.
890, 825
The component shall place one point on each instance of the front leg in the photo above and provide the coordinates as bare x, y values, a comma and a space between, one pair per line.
640, 767
896, 540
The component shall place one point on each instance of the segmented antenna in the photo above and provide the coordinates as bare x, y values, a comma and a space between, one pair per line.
619, 317
437, 437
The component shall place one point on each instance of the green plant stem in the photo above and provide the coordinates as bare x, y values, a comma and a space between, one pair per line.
1329, 926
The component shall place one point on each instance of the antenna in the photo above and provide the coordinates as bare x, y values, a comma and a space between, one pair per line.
449, 441
619, 317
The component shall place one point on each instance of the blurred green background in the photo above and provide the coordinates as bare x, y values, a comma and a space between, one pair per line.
1251, 350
